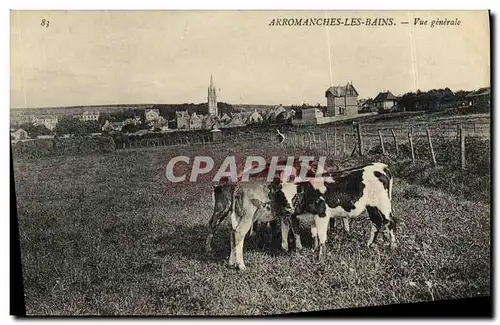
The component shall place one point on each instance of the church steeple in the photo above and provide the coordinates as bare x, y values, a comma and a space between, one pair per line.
212, 98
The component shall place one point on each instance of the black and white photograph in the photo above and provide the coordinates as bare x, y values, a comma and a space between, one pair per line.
250, 162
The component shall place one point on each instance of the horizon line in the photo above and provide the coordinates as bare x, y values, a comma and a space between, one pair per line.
235, 104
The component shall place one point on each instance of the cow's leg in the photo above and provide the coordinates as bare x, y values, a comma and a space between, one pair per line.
285, 227
346, 225
322, 228
332, 225
314, 235
296, 231
378, 222
274, 232
253, 235
214, 223
232, 256
391, 226
239, 240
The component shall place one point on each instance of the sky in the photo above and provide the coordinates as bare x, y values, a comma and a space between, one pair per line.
139, 57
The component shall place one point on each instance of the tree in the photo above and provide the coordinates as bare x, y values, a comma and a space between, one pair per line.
70, 125
129, 128
35, 130
92, 126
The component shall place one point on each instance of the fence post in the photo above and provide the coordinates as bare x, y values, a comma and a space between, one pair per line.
462, 146
395, 141
410, 138
326, 142
335, 142
430, 145
360, 138
381, 141
343, 144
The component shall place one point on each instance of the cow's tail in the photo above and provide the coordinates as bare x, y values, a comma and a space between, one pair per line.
391, 181
390, 188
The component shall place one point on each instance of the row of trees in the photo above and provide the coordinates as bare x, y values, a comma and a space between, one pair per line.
433, 99
66, 125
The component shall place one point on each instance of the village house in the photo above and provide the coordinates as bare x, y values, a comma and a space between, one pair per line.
480, 97
19, 118
367, 106
237, 119
130, 121
49, 122
254, 118
342, 100
275, 112
225, 119
182, 119
112, 126
209, 122
158, 123
90, 116
20, 134
385, 101
195, 122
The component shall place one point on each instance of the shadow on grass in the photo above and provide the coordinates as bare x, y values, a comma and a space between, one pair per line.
189, 241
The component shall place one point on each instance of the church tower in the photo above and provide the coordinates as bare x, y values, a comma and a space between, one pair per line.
212, 98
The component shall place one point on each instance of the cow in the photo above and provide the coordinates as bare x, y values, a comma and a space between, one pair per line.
223, 199
345, 194
254, 202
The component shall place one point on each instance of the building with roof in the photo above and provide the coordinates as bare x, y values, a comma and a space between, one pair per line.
182, 119
480, 97
49, 122
19, 134
195, 121
90, 116
385, 101
112, 126
225, 118
209, 122
151, 114
254, 118
342, 100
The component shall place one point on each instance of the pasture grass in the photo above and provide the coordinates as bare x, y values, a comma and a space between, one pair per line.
109, 235
473, 183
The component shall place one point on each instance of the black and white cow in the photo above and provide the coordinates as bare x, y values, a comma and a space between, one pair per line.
345, 194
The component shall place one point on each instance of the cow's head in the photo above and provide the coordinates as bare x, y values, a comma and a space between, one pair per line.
308, 200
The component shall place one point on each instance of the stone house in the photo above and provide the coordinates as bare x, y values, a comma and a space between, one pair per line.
342, 100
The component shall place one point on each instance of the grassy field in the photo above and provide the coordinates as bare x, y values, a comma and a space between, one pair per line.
109, 235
